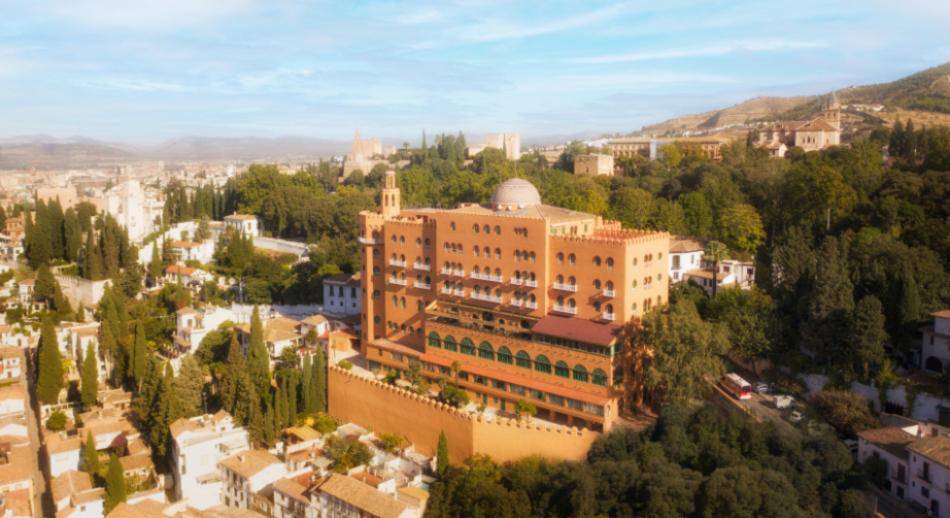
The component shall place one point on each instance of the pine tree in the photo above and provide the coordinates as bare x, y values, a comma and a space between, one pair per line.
442, 454
90, 457
188, 389
258, 361
115, 484
318, 381
49, 381
89, 378
139, 354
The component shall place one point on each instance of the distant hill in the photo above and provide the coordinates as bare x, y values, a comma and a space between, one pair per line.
247, 148
923, 96
44, 151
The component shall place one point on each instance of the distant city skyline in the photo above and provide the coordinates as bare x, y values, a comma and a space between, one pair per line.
117, 71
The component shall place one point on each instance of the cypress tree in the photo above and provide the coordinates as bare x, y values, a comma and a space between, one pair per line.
139, 354
231, 376
155, 267
92, 261
270, 425
90, 457
442, 454
291, 393
115, 484
49, 381
318, 380
254, 419
307, 386
89, 378
258, 361
280, 406
160, 415
146, 394
188, 389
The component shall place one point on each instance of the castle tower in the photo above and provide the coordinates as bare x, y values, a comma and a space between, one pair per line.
390, 196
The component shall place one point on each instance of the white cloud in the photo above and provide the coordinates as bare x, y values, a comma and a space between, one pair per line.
134, 85
487, 30
705, 50
160, 15
419, 17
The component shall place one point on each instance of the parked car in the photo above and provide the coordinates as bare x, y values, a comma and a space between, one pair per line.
762, 388
795, 416
783, 401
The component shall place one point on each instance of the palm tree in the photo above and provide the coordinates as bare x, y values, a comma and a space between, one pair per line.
715, 251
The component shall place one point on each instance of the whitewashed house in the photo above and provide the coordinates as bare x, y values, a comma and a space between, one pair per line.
198, 445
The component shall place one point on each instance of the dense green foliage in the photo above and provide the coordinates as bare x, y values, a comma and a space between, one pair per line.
705, 463
49, 381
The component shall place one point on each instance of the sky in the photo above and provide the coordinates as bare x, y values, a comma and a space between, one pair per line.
123, 71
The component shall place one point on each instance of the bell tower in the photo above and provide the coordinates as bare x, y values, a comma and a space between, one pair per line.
390, 196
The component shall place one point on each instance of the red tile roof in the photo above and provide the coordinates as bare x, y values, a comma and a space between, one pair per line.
577, 329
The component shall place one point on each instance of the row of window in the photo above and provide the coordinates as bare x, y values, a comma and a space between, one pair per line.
484, 228
402, 239
522, 359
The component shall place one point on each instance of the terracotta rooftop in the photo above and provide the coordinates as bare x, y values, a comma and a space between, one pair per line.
19, 466
57, 443
241, 217
144, 509
891, 439
136, 463
69, 483
343, 278
943, 313
936, 448
293, 489
577, 329
276, 329
817, 125
361, 496
680, 244
178, 269
304, 433
184, 244
250, 463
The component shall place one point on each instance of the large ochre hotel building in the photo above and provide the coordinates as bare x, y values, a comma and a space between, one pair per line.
526, 300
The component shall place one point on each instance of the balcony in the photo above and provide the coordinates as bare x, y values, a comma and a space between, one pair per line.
609, 293
421, 285
453, 272
565, 309
487, 277
516, 303
531, 283
455, 293
516, 281
397, 263
531, 305
487, 298
422, 267
367, 240
565, 287
607, 316
396, 280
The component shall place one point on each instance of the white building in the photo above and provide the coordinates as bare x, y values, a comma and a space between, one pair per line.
246, 223
183, 251
128, 204
192, 325
247, 473
935, 348
594, 164
11, 362
732, 273
510, 143
342, 294
62, 453
74, 496
198, 445
13, 400
917, 456
685, 254
344, 496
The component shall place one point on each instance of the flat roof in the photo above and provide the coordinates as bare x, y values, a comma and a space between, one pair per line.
577, 329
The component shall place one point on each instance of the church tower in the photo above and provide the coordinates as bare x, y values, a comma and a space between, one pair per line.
390, 196
832, 111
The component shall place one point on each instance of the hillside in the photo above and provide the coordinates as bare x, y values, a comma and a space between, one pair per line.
924, 97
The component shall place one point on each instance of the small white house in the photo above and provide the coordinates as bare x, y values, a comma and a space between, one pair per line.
198, 445
11, 362
192, 325
246, 223
247, 473
342, 294
685, 254
13, 400
935, 347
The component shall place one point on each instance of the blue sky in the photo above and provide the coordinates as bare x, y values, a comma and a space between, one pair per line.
116, 70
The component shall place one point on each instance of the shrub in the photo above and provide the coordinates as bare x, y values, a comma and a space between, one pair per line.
56, 421
846, 411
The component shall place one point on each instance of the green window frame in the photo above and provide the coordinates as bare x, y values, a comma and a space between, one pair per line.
599, 377
580, 373
448, 343
542, 364
523, 360
486, 351
434, 340
561, 369
504, 355
467, 347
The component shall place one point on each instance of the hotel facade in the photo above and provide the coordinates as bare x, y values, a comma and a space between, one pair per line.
514, 301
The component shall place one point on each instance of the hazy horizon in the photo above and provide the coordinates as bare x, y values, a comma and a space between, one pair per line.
116, 72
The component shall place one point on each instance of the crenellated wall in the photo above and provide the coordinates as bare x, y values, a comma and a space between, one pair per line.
384, 408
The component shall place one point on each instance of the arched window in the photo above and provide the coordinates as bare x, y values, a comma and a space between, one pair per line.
599, 377
486, 229
560, 258
561, 369
448, 343
597, 284
497, 230
434, 340
572, 259
596, 305
467, 347
572, 281
560, 279
523, 360
498, 253
476, 228
596, 260
610, 262
504, 355
571, 303
395, 301
542, 364
610, 285
485, 351
475, 251
580, 373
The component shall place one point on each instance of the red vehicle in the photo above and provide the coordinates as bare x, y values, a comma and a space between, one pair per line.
735, 385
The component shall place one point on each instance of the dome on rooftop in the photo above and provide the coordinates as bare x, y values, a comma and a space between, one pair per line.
515, 194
